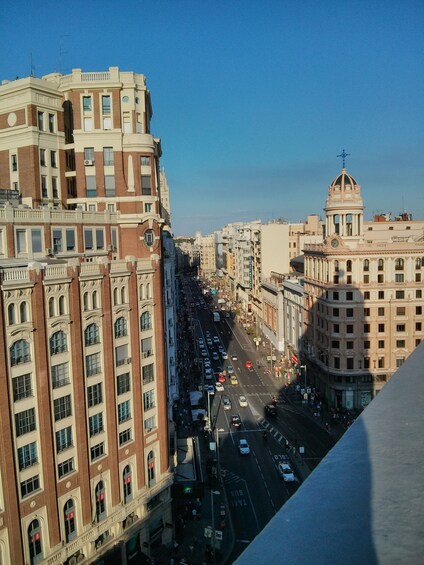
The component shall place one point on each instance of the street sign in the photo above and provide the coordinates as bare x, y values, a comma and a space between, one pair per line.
208, 532
218, 535
305, 396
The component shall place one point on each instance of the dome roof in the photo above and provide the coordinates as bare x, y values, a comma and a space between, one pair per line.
344, 180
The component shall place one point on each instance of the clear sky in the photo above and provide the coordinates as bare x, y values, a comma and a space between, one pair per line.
253, 99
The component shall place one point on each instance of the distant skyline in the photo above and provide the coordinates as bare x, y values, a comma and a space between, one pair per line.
253, 100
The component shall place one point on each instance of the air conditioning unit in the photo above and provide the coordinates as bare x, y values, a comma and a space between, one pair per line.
88, 162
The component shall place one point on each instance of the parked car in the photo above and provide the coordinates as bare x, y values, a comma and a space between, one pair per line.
235, 420
244, 447
248, 365
226, 403
242, 401
286, 472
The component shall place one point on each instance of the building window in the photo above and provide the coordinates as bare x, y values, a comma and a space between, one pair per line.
380, 279
55, 190
69, 519
25, 422
381, 344
380, 311
367, 312
400, 361
366, 363
147, 208
127, 483
335, 312
418, 310
65, 467
100, 501
349, 345
349, 295
60, 375
95, 424
366, 279
52, 123
93, 364
381, 362
400, 343
336, 364
400, 327
91, 335
106, 105
335, 295
381, 328
125, 436
380, 265
349, 363
366, 265
29, 486
418, 326
22, 387
399, 264
94, 395
97, 451
120, 327
381, 294
110, 186
90, 186
124, 411
401, 311
40, 121
149, 400
145, 161
62, 306
86, 103
418, 293
349, 266
42, 157
367, 344
11, 318
58, 343
34, 542
62, 407
399, 277
63, 439
151, 472
146, 185
123, 383
53, 159
89, 154
349, 329
336, 328
94, 239
148, 374
21, 241
349, 312
367, 295
20, 353
335, 344
108, 156
417, 277
400, 294
367, 328
27, 455
149, 424
146, 321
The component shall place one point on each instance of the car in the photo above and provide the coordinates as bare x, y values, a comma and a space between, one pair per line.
235, 420
242, 401
215, 356
227, 314
270, 410
221, 378
219, 387
209, 389
243, 446
234, 380
248, 365
286, 472
224, 354
234, 357
218, 369
207, 363
201, 342
230, 370
226, 403
216, 339
220, 349
204, 353
208, 373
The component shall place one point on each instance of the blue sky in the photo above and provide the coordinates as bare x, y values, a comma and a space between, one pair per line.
253, 100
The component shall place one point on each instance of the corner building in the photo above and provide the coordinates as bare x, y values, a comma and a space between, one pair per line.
84, 458
363, 298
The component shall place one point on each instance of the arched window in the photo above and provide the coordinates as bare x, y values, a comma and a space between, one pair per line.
418, 263
11, 314
399, 264
95, 300
123, 295
91, 334
70, 521
85, 301
146, 321
58, 343
120, 327
151, 472
141, 292
23, 312
349, 224
19, 352
336, 266
115, 296
62, 308
127, 483
380, 264
349, 266
366, 265
52, 308
34, 542
148, 290
100, 501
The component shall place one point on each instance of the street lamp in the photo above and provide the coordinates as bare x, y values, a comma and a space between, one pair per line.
304, 368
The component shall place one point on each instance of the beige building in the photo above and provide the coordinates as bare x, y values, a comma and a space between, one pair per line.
363, 297
84, 463
206, 249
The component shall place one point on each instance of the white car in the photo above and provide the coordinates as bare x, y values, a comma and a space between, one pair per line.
224, 354
216, 339
226, 402
286, 472
242, 401
219, 387
244, 447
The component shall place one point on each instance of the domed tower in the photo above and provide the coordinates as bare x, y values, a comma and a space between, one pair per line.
344, 208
